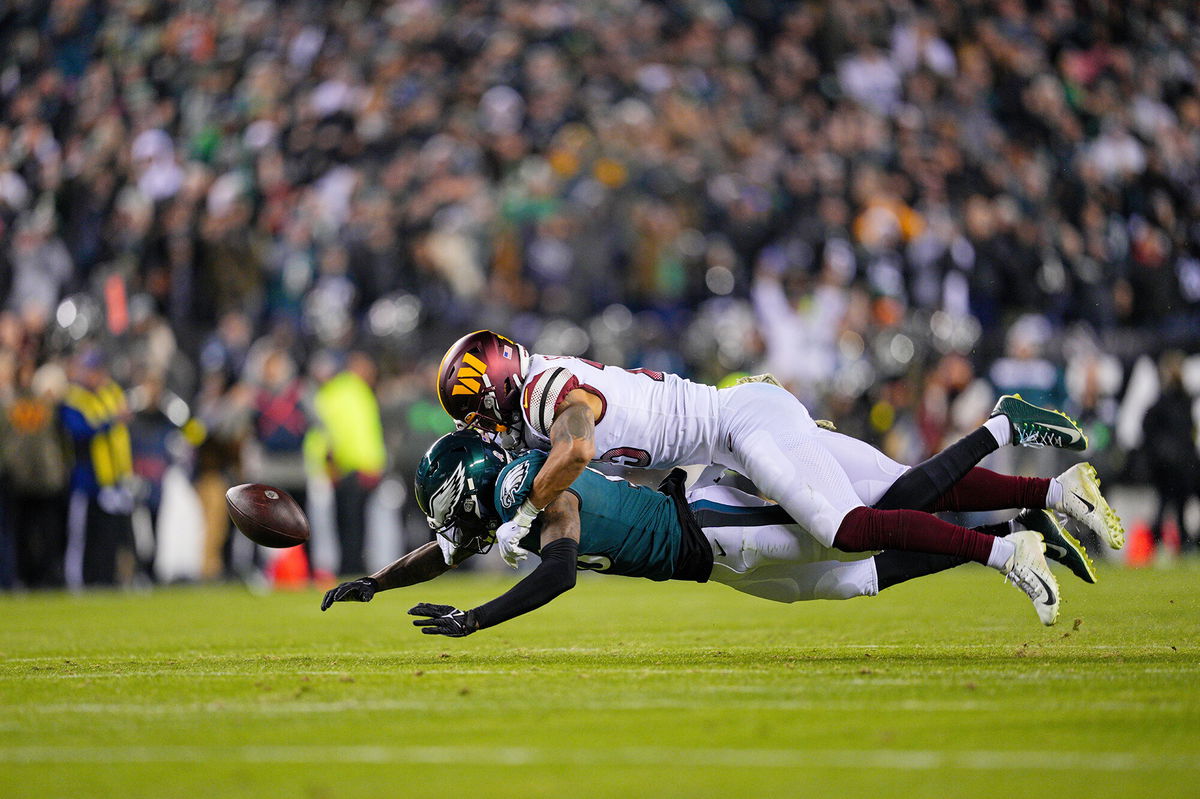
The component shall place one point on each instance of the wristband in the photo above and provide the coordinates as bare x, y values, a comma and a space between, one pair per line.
526, 514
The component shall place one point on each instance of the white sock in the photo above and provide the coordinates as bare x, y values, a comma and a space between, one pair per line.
1054, 494
1002, 551
1000, 428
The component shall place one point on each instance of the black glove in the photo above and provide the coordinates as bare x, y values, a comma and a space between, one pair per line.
444, 620
360, 590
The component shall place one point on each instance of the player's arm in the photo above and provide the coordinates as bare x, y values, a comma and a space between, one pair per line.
553, 576
572, 447
422, 564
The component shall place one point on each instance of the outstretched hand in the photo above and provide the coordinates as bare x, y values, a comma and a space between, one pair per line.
443, 620
360, 590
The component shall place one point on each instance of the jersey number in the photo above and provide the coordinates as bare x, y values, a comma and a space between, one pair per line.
593, 563
626, 456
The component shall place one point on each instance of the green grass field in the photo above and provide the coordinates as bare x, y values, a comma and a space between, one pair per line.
947, 687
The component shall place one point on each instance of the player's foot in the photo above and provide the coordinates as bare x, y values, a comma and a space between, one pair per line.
1060, 545
1082, 501
1034, 426
1027, 570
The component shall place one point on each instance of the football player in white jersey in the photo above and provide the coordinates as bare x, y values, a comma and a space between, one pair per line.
582, 411
709, 533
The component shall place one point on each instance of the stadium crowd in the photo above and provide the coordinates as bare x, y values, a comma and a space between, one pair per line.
224, 223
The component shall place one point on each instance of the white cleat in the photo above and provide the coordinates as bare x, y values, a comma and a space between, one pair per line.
1083, 502
1027, 570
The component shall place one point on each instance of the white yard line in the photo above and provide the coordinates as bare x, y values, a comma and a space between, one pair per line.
912, 760
440, 705
1039, 671
798, 652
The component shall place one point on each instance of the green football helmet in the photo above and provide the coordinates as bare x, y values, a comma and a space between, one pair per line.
455, 484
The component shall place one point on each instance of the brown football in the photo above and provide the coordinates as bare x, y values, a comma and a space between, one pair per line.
267, 515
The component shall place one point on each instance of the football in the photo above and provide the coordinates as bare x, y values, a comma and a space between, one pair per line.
267, 515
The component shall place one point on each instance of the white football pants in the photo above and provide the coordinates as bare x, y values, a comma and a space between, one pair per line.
817, 475
780, 562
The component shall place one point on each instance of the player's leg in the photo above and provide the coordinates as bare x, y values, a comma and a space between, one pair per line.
800, 582
758, 551
895, 567
886, 484
882, 482
770, 438
950, 480
755, 554
766, 434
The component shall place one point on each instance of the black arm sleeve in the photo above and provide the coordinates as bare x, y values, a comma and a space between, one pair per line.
554, 575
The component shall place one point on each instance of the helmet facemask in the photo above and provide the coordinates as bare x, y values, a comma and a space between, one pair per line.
459, 517
453, 487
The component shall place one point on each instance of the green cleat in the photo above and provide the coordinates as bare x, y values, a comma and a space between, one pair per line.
1060, 545
1084, 503
1039, 427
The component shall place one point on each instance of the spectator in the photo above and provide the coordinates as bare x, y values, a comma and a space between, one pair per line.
162, 433
351, 437
280, 418
1170, 446
99, 531
35, 461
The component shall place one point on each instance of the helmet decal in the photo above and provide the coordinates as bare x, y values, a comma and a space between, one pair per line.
446, 497
512, 484
471, 377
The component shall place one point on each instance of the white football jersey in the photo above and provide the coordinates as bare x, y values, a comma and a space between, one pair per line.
648, 419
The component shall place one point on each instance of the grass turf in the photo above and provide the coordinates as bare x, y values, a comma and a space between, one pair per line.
944, 687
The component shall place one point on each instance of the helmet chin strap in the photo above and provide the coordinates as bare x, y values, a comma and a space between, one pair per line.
512, 438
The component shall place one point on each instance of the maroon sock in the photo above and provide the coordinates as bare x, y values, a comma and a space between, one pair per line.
865, 529
983, 489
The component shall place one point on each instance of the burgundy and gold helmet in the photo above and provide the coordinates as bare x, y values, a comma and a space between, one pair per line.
480, 380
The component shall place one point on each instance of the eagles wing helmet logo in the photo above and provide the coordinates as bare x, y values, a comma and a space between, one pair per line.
442, 503
513, 481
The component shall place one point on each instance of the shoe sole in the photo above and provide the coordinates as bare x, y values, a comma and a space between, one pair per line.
1074, 556
1113, 532
1078, 446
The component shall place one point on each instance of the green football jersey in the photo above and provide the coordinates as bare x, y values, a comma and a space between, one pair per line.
623, 529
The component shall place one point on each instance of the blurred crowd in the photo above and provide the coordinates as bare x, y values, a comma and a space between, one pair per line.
237, 235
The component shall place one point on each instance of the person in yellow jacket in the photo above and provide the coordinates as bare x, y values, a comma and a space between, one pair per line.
99, 530
349, 438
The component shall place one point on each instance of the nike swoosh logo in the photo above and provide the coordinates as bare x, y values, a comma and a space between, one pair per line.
720, 549
1049, 591
1090, 506
1073, 434
1060, 551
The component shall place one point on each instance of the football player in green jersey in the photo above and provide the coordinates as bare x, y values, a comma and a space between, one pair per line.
714, 532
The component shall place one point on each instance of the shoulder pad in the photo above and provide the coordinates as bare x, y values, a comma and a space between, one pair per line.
542, 394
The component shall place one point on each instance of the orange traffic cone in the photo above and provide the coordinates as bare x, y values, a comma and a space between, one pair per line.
290, 570
1139, 549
